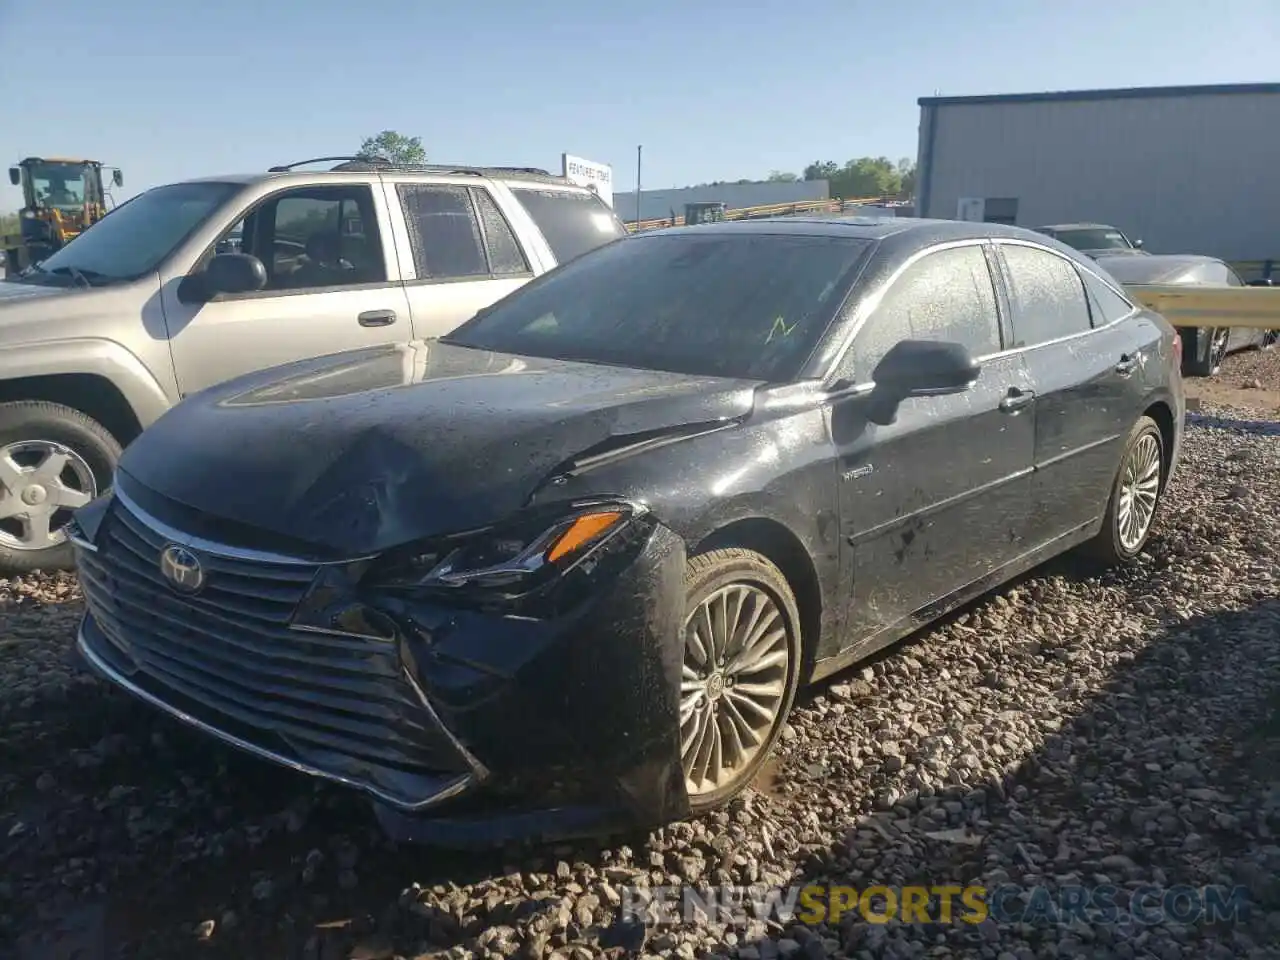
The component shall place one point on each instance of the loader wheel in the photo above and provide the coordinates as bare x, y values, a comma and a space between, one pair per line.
53, 460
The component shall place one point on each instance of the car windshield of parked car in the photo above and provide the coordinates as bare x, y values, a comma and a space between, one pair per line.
1101, 239
134, 238
745, 305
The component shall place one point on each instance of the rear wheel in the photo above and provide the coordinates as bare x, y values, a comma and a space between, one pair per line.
1134, 496
741, 669
1206, 351
53, 460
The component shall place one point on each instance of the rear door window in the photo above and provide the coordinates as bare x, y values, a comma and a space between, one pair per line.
1105, 304
458, 233
573, 222
1046, 295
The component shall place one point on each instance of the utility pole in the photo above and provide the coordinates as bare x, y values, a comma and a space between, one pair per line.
639, 153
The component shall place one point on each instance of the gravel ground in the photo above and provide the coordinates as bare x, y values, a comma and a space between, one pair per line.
1077, 727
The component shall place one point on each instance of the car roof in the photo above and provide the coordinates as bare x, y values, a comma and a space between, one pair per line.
923, 231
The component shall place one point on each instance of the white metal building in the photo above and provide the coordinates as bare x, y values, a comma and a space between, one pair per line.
1187, 169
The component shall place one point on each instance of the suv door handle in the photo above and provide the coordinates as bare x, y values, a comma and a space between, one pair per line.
1127, 365
1016, 399
376, 318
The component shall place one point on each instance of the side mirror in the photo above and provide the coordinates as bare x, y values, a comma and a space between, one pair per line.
15, 176
925, 368
1137, 244
226, 273
117, 177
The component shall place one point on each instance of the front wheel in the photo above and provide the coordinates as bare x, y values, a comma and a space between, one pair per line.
53, 460
1134, 496
741, 668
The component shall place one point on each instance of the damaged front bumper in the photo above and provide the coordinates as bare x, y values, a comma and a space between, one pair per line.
462, 725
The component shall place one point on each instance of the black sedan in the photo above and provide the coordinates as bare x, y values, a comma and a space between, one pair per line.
1204, 348
572, 561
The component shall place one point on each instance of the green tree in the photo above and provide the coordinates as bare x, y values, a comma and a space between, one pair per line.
394, 147
781, 176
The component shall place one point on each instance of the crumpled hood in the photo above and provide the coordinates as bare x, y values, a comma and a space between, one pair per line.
362, 451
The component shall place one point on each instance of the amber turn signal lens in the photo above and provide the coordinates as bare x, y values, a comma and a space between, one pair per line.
582, 531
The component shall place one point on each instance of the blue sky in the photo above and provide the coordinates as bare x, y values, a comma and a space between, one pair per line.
713, 90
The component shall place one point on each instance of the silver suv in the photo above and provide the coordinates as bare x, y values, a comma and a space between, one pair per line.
193, 283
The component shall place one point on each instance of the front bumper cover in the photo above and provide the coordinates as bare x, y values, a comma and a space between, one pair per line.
524, 727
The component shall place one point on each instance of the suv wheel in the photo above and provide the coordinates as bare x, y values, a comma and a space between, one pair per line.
53, 460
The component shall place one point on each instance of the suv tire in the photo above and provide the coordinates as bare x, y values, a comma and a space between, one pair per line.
32, 432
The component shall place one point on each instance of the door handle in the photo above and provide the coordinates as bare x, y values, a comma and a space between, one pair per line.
1127, 365
376, 318
1016, 399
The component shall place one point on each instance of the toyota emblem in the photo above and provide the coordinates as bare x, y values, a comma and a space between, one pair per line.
182, 569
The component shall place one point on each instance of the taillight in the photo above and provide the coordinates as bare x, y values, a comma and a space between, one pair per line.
1177, 349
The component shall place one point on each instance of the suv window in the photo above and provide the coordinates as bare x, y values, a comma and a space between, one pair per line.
572, 222
1046, 295
1104, 303
947, 295
457, 233
311, 238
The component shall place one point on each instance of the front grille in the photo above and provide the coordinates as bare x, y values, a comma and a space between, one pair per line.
228, 657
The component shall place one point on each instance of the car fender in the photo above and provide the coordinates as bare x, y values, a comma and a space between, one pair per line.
92, 356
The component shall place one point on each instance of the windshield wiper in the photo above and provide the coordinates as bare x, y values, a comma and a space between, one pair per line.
81, 277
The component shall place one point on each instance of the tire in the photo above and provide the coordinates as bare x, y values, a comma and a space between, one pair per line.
1204, 351
1112, 545
29, 428
711, 709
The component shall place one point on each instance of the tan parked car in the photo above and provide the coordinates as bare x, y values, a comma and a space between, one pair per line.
190, 284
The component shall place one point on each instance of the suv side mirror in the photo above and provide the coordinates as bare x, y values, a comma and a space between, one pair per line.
925, 368
1137, 244
15, 176
225, 273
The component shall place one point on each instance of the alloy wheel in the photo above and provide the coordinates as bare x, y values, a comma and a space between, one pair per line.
1221, 336
1139, 490
41, 482
734, 682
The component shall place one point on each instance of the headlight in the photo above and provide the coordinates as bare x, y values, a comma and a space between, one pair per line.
510, 555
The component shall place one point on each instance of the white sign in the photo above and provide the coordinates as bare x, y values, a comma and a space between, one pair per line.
589, 174
971, 208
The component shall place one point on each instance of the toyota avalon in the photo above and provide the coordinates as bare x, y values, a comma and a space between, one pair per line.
569, 564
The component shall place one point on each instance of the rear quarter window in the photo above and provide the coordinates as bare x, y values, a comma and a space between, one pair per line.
573, 222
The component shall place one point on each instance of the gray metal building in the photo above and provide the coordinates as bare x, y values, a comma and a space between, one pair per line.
1187, 169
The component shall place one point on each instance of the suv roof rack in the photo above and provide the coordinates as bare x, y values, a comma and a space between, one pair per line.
363, 164
286, 167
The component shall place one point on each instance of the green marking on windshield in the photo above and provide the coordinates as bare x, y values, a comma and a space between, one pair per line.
780, 329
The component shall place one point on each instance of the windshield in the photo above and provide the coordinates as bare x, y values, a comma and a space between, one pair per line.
1102, 238
750, 306
58, 185
136, 236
